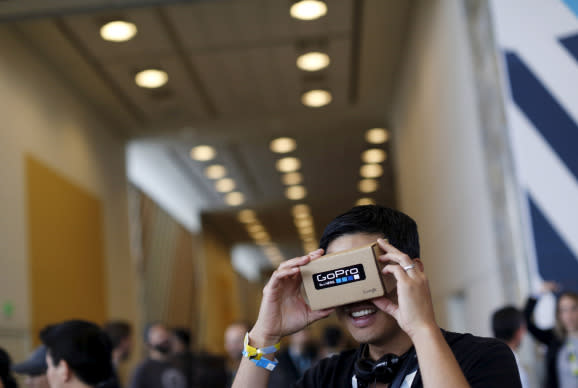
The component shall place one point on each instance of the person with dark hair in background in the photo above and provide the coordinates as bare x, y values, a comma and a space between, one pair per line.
294, 360
508, 325
332, 341
157, 371
34, 368
401, 344
120, 334
6, 378
182, 356
562, 342
78, 355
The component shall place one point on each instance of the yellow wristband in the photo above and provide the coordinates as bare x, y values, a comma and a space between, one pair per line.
256, 353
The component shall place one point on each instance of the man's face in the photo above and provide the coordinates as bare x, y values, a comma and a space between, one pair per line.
160, 339
365, 322
40, 381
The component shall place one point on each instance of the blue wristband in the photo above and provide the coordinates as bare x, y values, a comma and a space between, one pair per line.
266, 364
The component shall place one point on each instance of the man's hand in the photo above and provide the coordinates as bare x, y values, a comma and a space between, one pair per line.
414, 308
283, 310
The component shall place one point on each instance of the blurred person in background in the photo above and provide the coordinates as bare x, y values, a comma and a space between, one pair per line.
181, 352
233, 339
34, 369
561, 341
120, 334
294, 360
332, 341
6, 378
78, 355
158, 371
509, 325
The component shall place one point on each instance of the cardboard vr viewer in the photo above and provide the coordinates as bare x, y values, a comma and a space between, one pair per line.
345, 277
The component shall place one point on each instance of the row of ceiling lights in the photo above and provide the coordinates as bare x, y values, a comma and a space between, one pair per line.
289, 166
259, 234
295, 190
218, 173
372, 159
122, 31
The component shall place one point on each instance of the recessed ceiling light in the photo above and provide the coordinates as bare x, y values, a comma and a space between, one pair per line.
203, 153
247, 216
225, 185
316, 98
309, 239
367, 185
253, 228
308, 9
292, 178
364, 201
282, 145
118, 31
151, 78
235, 198
215, 171
260, 235
303, 222
288, 164
313, 61
295, 193
376, 135
371, 170
374, 155
300, 209
263, 241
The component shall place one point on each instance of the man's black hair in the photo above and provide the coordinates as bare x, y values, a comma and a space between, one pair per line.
183, 335
84, 346
397, 227
506, 321
117, 331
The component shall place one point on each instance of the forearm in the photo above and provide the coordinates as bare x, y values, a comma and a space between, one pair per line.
437, 364
249, 374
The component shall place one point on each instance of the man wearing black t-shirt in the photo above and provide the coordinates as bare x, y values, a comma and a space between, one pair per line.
401, 345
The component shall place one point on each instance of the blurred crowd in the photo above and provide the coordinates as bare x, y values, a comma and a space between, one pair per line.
78, 353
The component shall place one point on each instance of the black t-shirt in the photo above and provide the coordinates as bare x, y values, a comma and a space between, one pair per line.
158, 374
485, 362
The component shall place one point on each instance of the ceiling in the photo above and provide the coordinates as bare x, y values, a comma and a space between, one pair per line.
233, 84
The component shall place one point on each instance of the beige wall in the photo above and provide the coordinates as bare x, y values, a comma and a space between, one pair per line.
442, 178
225, 298
43, 118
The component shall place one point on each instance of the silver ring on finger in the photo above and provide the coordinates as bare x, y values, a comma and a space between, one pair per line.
408, 267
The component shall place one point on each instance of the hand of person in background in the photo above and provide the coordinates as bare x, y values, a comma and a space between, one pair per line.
283, 310
413, 309
548, 287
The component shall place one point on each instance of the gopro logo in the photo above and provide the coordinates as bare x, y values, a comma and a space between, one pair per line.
339, 276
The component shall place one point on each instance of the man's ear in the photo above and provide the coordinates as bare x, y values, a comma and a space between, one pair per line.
64, 371
419, 264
